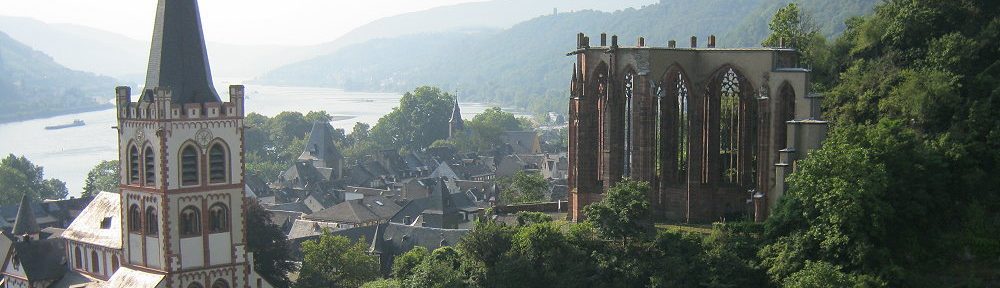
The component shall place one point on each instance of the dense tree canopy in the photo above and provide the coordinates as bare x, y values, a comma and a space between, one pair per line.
333, 261
523, 187
104, 177
18, 176
269, 245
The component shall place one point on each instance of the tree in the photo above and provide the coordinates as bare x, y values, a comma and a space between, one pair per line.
624, 211
822, 274
489, 127
796, 30
421, 118
104, 177
18, 176
269, 246
440, 269
404, 265
333, 261
524, 187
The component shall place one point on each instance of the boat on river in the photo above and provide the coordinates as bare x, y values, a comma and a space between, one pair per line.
75, 123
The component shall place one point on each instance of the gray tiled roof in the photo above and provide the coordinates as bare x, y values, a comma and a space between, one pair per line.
41, 259
90, 226
359, 211
25, 223
320, 149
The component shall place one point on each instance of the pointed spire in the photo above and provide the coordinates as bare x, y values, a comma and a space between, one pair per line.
320, 148
25, 221
178, 59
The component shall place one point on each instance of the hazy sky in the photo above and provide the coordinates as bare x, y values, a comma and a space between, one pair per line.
290, 22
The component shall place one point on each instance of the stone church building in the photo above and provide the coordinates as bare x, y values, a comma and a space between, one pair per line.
178, 220
714, 131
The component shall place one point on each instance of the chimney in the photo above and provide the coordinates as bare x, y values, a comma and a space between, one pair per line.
604, 39
579, 40
672, 44
614, 41
694, 42
642, 42
711, 41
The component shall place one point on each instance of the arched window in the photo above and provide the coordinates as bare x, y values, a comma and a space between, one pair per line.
729, 126
683, 127
114, 264
150, 161
189, 166
152, 221
220, 284
95, 263
78, 256
133, 165
628, 84
190, 222
219, 218
217, 164
134, 220
194, 285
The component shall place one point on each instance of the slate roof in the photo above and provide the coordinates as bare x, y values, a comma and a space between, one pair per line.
258, 186
443, 170
359, 211
5, 245
178, 59
284, 219
99, 223
523, 142
320, 149
297, 206
25, 223
127, 278
41, 259
403, 238
466, 170
456, 117
303, 228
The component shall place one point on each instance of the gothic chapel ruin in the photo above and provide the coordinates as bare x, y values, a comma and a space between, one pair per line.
714, 131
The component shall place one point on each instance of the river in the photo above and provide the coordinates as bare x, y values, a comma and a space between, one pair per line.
68, 154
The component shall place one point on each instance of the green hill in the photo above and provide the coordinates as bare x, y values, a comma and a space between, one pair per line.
33, 85
525, 65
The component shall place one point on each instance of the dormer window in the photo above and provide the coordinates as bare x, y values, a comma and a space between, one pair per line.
106, 223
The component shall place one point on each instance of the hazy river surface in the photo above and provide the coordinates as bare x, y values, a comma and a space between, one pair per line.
68, 154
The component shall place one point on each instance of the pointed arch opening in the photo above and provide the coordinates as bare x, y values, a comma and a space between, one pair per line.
152, 219
133, 165
150, 166
785, 113
628, 91
735, 123
95, 262
134, 219
217, 163
78, 258
674, 126
220, 284
189, 166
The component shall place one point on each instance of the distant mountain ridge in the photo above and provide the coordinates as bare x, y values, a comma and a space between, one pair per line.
32, 85
525, 65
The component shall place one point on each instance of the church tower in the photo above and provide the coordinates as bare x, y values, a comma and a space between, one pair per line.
455, 124
181, 155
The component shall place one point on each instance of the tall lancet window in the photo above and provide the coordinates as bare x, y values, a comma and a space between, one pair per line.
134, 224
189, 166
133, 165
219, 218
152, 229
629, 85
150, 162
683, 127
217, 164
729, 127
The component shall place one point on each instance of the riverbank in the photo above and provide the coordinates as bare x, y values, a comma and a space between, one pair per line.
46, 114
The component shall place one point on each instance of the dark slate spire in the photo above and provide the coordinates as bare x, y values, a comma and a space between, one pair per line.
456, 117
177, 58
320, 148
25, 221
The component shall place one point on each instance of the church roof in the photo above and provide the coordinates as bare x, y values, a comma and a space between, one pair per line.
178, 59
99, 224
358, 211
25, 222
320, 148
128, 278
41, 259
456, 117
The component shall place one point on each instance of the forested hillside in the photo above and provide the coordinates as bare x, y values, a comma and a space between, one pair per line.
525, 64
32, 84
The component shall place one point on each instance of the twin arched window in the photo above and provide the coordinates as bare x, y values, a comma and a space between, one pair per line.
189, 166
149, 159
152, 229
190, 222
219, 218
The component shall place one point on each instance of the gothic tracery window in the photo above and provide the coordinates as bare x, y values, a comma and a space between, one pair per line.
627, 117
190, 222
217, 164
219, 218
150, 161
682, 127
189, 166
729, 127
133, 165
